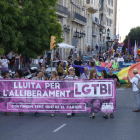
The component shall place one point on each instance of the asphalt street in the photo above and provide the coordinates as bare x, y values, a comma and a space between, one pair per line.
125, 125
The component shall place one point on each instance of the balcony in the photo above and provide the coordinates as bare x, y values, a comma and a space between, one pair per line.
77, 18
62, 11
91, 6
102, 23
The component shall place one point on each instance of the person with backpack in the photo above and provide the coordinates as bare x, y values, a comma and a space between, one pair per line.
135, 81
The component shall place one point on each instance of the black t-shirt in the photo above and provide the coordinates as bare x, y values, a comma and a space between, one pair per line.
113, 77
78, 62
77, 71
100, 58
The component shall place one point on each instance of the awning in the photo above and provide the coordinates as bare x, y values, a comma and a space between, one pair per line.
64, 45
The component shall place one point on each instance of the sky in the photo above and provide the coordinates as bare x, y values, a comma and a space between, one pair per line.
128, 16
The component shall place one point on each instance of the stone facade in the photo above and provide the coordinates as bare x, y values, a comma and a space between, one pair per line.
85, 23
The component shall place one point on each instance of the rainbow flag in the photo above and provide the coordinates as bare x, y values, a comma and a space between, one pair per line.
122, 74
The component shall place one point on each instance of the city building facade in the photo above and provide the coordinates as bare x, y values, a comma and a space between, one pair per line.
86, 23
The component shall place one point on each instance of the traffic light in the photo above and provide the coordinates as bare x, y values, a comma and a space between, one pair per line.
52, 44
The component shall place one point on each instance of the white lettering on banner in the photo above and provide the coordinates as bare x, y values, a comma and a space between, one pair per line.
52, 85
93, 89
4, 93
29, 85
38, 86
37, 93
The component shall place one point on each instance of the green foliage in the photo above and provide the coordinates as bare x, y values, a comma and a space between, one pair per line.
9, 17
134, 35
27, 30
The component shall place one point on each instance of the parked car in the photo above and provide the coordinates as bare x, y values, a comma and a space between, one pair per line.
54, 64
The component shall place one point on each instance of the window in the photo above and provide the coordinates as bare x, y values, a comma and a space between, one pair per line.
101, 17
108, 2
88, 1
94, 2
111, 2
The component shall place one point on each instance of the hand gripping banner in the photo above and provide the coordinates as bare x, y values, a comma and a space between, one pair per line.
69, 96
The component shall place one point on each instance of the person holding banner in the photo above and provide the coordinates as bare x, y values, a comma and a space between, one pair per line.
20, 75
93, 75
53, 77
6, 76
38, 77
71, 76
115, 77
104, 76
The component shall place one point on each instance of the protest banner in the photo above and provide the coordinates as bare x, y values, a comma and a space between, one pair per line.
68, 96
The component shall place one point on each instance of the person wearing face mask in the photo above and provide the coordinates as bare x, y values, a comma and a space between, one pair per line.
71, 76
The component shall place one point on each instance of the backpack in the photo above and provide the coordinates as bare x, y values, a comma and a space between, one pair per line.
138, 85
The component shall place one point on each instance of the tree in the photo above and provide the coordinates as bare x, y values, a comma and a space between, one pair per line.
134, 35
40, 23
9, 18
27, 25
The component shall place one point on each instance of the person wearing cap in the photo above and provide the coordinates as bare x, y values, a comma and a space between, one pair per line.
86, 73
134, 81
71, 76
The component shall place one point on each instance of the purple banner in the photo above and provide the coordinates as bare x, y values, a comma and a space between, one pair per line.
69, 96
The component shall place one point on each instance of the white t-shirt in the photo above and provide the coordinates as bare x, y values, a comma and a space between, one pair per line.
41, 61
9, 56
134, 82
75, 50
4, 63
120, 59
69, 77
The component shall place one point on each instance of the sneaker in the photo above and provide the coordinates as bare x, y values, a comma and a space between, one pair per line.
68, 116
105, 116
111, 116
73, 114
37, 115
52, 115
